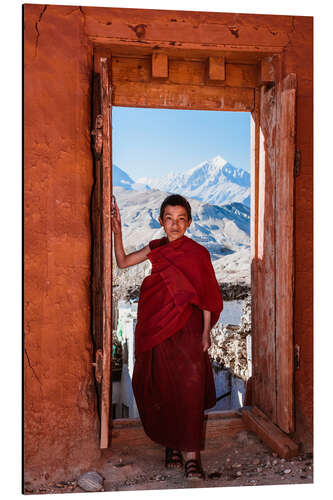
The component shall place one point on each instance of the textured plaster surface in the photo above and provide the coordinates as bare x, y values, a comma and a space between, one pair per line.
60, 402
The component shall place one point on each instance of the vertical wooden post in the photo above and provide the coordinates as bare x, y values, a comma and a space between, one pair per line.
255, 138
285, 251
101, 239
106, 239
264, 351
255, 147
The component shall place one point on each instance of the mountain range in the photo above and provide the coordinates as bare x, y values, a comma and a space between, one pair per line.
214, 181
223, 230
219, 194
122, 179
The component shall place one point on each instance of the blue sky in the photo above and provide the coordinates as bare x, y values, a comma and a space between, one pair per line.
154, 142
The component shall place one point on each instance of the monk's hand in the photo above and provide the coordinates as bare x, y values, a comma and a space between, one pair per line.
116, 219
205, 341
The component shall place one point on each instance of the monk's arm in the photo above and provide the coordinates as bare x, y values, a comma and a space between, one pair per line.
122, 259
206, 330
131, 259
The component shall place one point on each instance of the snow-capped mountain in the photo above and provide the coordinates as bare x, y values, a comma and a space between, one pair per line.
121, 178
224, 231
215, 181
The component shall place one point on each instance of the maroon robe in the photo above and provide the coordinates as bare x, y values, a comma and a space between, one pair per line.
173, 381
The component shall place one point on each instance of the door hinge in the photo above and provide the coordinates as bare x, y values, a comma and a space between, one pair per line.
297, 162
296, 356
97, 136
98, 365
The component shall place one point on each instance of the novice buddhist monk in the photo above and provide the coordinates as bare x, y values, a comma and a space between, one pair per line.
179, 303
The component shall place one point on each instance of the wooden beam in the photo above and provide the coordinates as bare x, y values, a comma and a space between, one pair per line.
158, 94
219, 427
243, 54
277, 440
146, 29
216, 68
138, 69
159, 65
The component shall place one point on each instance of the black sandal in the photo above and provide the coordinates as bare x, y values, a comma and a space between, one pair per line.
193, 467
173, 459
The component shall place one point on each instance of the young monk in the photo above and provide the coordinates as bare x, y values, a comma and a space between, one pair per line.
179, 303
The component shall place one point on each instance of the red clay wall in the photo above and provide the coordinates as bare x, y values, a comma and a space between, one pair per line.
299, 59
60, 414
61, 427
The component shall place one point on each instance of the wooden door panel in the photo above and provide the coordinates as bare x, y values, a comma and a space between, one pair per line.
272, 252
264, 370
284, 251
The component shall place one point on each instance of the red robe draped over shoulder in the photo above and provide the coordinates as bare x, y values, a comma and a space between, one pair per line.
182, 277
173, 382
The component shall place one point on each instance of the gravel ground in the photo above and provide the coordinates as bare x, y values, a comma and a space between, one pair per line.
242, 461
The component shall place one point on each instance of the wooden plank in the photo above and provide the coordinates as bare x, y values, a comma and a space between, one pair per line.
97, 249
137, 69
216, 68
285, 251
120, 423
243, 54
264, 380
218, 428
132, 15
187, 72
166, 95
257, 421
218, 415
107, 251
101, 238
189, 31
159, 65
96, 290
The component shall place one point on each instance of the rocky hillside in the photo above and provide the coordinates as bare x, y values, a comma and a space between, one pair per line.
229, 347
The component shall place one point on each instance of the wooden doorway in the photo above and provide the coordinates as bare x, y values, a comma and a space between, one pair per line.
126, 76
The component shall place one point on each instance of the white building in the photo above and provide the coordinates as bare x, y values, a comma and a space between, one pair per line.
123, 401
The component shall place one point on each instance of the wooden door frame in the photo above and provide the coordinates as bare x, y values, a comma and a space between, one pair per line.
220, 64
272, 414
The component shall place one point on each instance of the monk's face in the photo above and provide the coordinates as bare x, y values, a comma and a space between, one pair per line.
175, 221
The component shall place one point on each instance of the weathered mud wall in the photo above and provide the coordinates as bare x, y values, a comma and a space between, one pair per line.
60, 415
61, 426
298, 58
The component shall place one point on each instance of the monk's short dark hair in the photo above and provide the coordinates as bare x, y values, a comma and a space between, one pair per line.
174, 200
